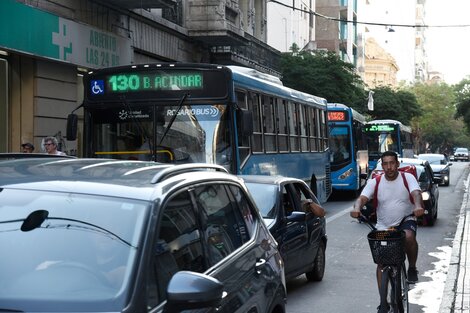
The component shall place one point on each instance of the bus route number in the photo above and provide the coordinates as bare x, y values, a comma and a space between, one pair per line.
135, 82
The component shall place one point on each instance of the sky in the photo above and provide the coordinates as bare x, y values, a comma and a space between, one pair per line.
448, 48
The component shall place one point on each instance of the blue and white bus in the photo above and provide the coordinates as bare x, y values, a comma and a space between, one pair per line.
384, 135
237, 117
348, 148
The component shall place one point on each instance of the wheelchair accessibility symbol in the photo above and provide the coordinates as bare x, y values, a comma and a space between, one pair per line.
97, 87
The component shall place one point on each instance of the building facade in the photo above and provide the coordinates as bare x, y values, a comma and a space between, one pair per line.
47, 45
339, 37
380, 68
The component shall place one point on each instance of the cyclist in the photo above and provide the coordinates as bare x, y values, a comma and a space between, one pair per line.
397, 197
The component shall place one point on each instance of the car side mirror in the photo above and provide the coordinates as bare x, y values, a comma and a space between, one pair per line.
189, 290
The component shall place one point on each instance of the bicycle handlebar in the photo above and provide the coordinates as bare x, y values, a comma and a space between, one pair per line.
363, 218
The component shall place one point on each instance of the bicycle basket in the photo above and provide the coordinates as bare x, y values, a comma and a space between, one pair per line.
387, 247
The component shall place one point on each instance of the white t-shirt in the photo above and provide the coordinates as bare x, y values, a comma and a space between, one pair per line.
393, 199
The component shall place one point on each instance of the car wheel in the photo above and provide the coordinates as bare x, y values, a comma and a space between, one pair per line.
316, 274
447, 182
430, 218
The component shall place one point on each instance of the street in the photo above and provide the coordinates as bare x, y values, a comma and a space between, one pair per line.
349, 283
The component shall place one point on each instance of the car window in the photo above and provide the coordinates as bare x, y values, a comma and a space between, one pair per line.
222, 221
265, 196
178, 246
246, 209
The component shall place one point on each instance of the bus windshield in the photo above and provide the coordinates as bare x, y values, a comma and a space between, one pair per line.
198, 133
340, 145
379, 142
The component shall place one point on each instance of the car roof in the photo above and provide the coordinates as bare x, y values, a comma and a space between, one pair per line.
121, 178
266, 179
432, 154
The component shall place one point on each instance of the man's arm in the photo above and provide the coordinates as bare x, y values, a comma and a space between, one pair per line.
418, 200
358, 204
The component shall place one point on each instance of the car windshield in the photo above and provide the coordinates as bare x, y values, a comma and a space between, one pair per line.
433, 159
67, 251
265, 198
460, 150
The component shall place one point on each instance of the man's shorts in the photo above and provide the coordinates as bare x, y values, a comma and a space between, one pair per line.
410, 224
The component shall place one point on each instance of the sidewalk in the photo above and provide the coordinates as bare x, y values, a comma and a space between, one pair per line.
456, 296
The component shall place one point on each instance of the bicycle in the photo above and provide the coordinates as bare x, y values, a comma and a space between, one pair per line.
388, 249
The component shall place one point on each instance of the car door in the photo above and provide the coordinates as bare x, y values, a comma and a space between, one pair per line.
238, 249
213, 229
315, 225
293, 231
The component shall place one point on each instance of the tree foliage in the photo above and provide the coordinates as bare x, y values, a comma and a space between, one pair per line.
399, 105
436, 129
323, 74
462, 91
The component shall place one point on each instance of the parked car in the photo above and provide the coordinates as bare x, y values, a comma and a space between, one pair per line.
429, 187
440, 165
301, 235
97, 235
461, 154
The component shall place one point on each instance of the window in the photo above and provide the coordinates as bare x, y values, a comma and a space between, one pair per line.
313, 129
253, 105
178, 246
246, 211
222, 224
243, 141
282, 132
269, 125
303, 128
293, 121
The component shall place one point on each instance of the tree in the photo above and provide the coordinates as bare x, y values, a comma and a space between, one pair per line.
436, 127
399, 105
462, 91
323, 74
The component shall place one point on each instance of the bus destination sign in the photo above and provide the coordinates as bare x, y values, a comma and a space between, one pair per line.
379, 128
157, 84
339, 116
157, 81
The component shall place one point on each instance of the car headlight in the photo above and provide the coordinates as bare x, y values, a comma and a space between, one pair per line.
346, 174
425, 195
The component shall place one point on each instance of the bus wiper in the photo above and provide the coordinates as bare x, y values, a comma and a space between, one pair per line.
9, 310
180, 105
36, 218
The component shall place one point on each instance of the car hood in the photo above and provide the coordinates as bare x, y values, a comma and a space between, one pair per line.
438, 167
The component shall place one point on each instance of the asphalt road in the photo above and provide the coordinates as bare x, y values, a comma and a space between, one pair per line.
349, 283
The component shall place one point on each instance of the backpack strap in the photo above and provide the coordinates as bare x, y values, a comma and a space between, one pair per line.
405, 182
375, 202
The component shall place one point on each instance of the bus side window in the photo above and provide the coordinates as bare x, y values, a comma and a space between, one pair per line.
254, 106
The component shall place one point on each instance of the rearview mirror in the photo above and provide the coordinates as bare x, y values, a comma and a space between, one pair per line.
72, 125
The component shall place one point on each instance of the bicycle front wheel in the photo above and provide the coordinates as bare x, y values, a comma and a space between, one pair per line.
403, 292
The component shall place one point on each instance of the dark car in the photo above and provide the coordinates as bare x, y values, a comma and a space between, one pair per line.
97, 235
429, 187
440, 165
301, 235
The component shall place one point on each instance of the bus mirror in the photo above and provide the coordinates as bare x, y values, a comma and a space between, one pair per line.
72, 124
245, 120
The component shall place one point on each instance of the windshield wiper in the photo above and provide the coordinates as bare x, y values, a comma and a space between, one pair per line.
180, 105
9, 310
36, 218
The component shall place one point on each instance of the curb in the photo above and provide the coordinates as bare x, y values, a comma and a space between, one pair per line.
451, 289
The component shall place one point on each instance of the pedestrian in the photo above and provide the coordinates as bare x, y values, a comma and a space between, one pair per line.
397, 196
50, 144
27, 147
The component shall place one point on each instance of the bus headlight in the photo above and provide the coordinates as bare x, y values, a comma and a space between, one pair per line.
425, 195
346, 174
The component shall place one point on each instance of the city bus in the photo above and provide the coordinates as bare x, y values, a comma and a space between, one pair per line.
384, 135
348, 148
240, 118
